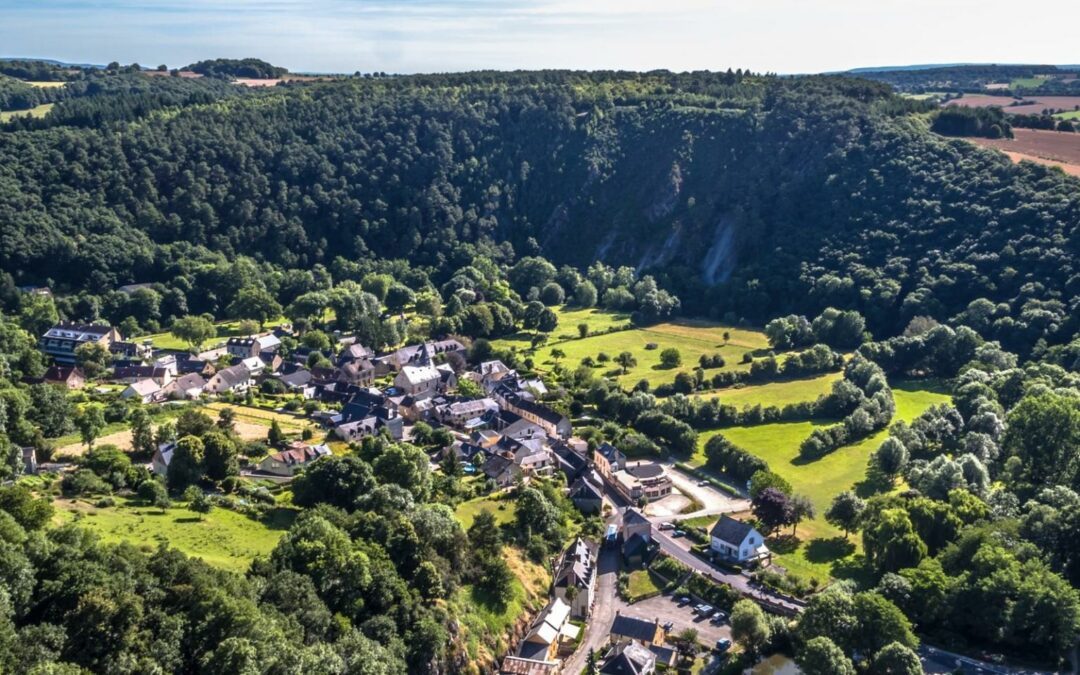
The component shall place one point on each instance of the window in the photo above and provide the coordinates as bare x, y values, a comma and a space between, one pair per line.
751, 541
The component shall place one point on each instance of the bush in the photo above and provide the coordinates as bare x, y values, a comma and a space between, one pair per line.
84, 482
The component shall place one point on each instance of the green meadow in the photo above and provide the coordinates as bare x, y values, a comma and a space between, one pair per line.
37, 111
819, 545
222, 538
777, 394
503, 510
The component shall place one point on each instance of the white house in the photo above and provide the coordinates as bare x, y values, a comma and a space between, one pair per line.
422, 381
576, 570
233, 378
144, 390
159, 464
737, 541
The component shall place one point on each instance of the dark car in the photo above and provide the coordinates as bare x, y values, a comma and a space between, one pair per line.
723, 644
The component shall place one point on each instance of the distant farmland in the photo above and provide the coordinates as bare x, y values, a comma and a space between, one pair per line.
1039, 104
1054, 148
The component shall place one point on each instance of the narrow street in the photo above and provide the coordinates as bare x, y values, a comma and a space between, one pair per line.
599, 622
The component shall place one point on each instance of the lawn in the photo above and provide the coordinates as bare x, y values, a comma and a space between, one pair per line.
484, 623
641, 585
778, 394
37, 111
502, 509
823, 479
223, 538
1027, 82
598, 320
691, 337
225, 329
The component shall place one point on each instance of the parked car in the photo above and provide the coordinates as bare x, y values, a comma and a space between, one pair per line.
684, 600
666, 526
678, 533
703, 483
723, 644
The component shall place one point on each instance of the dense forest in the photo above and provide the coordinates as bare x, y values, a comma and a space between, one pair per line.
824, 209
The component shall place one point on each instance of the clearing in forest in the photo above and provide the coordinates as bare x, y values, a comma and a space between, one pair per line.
222, 538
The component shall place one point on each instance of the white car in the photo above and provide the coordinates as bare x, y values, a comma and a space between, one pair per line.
666, 526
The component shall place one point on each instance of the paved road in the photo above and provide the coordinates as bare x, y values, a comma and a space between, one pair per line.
598, 626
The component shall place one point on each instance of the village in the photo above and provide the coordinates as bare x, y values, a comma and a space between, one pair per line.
501, 431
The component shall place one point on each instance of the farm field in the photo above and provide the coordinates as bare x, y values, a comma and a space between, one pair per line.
777, 393
598, 321
1053, 148
691, 337
1071, 115
37, 111
259, 417
223, 538
823, 479
503, 510
47, 85
1039, 103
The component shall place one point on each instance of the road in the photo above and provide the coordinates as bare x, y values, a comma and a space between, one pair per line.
598, 625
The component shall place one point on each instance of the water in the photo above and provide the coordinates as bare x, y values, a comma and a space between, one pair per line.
777, 664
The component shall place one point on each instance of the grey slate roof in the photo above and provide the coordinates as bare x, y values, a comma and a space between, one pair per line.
729, 530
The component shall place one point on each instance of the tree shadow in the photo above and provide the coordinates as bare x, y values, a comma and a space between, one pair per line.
854, 568
829, 550
486, 599
875, 483
188, 519
784, 543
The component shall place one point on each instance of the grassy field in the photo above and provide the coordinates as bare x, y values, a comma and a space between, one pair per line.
778, 394
47, 85
485, 624
641, 584
503, 510
37, 111
691, 337
598, 321
1027, 82
823, 479
1070, 115
260, 416
223, 538
225, 329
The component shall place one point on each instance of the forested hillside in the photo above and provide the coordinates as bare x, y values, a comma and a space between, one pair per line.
810, 193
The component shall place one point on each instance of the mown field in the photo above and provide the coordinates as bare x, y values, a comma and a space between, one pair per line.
221, 538
820, 480
37, 111
692, 338
777, 393
503, 510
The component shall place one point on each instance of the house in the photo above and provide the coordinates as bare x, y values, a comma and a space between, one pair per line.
551, 421
502, 470
299, 382
570, 461
359, 372
71, 377
586, 496
132, 350
233, 378
734, 540
187, 386
418, 380
146, 391
128, 374
642, 480
607, 459
549, 629
61, 341
459, 413
159, 463
629, 659
246, 347
627, 629
356, 352
575, 578
289, 461
637, 537
423, 354
490, 373
254, 364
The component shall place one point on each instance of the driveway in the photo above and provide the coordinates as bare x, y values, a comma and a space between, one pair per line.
713, 501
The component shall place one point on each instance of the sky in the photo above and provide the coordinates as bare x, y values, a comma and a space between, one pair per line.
407, 36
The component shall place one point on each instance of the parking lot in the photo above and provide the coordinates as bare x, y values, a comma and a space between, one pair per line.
667, 609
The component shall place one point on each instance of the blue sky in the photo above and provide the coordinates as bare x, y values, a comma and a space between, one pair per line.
788, 36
